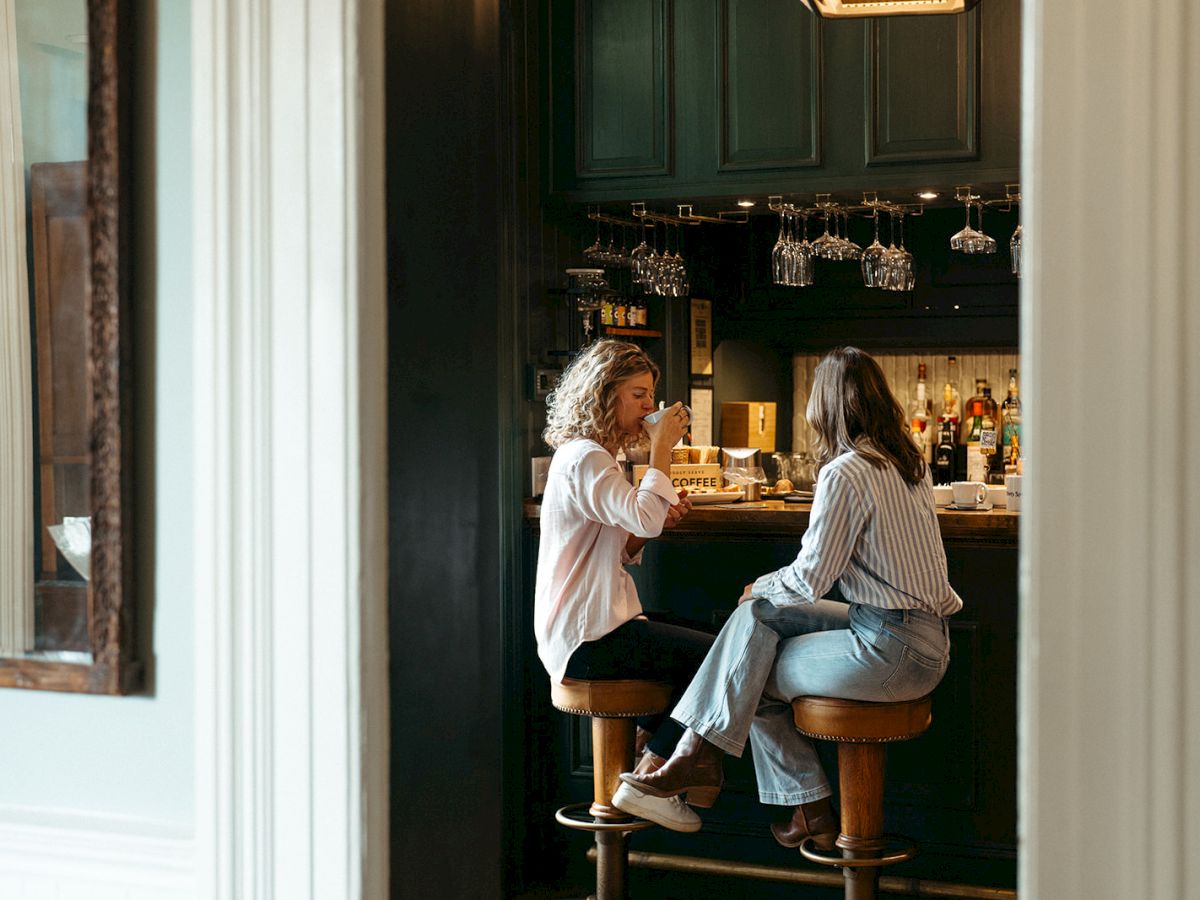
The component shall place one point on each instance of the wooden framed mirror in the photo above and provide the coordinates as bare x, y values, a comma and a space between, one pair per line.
67, 614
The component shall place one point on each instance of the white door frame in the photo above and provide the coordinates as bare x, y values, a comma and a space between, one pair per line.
1109, 694
289, 386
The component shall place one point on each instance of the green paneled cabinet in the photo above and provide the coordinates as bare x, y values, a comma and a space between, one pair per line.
699, 98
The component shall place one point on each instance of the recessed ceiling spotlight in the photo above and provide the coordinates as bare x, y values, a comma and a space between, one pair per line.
927, 195
745, 204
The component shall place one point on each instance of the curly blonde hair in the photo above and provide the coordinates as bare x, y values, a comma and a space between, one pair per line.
581, 404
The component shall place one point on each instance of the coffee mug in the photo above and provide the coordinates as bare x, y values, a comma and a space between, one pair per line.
1012, 488
969, 493
663, 410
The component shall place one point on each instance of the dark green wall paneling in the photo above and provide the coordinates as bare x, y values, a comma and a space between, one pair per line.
763, 97
923, 79
623, 87
771, 85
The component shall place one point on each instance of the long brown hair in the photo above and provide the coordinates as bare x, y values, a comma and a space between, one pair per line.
851, 408
582, 403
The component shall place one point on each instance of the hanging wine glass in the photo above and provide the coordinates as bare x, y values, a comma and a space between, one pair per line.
963, 238
872, 258
979, 242
1014, 247
779, 253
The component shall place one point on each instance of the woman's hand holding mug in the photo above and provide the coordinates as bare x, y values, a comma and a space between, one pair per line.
667, 425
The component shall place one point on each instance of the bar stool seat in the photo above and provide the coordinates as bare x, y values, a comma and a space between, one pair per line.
862, 731
613, 705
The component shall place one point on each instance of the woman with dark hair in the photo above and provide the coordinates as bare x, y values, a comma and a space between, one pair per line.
587, 617
873, 534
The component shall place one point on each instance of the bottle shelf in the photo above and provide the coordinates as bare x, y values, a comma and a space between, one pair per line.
630, 332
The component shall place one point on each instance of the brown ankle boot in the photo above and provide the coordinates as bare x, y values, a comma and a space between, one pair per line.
693, 769
640, 740
816, 820
649, 762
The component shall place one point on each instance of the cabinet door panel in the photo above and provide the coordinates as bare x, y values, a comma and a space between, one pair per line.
923, 89
770, 85
623, 83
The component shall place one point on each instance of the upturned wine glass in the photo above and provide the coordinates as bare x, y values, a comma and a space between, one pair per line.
961, 239
979, 242
1014, 247
779, 252
872, 258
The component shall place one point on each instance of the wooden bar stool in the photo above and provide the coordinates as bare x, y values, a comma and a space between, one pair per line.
613, 706
862, 730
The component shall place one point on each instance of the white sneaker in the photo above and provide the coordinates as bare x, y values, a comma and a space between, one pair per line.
669, 812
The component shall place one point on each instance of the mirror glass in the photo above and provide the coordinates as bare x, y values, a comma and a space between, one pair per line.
64, 618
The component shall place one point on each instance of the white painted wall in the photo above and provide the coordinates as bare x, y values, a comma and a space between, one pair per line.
97, 763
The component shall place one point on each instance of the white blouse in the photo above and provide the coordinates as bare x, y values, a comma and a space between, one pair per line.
589, 510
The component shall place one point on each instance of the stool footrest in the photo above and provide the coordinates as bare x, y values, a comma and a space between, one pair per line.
906, 849
577, 816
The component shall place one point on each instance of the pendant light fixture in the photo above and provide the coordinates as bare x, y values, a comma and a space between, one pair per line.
850, 9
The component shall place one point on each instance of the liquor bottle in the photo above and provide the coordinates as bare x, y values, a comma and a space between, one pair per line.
1010, 419
943, 472
606, 311
621, 312
643, 314
989, 440
921, 417
972, 411
972, 432
955, 402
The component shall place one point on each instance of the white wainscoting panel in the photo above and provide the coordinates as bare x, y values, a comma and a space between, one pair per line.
64, 855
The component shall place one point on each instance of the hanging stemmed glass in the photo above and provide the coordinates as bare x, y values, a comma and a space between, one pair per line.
799, 254
779, 253
1014, 247
981, 243
872, 258
848, 249
638, 255
966, 237
826, 245
592, 253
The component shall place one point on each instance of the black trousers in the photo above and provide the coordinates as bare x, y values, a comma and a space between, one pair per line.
661, 647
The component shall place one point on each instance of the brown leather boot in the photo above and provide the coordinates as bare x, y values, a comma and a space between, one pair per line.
649, 762
640, 740
816, 820
693, 769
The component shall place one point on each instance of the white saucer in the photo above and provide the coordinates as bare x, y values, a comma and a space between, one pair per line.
982, 507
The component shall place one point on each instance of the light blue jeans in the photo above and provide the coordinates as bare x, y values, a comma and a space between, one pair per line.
765, 656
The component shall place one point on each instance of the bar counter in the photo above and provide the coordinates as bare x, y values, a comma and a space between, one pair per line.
777, 519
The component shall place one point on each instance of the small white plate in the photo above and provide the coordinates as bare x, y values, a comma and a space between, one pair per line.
982, 507
718, 497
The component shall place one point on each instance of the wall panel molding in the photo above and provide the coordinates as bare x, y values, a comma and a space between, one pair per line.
616, 40
916, 113
49, 854
770, 91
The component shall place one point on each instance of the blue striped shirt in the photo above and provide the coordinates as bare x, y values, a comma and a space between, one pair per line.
875, 536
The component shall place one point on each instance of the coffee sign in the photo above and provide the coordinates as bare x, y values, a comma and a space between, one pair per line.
696, 477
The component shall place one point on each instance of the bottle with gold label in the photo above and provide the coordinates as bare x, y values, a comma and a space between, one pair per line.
1010, 419
921, 417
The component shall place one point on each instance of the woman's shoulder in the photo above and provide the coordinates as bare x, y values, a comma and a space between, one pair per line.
577, 450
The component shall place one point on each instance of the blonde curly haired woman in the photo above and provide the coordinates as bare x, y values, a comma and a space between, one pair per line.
587, 615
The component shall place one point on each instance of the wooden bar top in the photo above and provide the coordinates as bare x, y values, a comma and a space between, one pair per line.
774, 519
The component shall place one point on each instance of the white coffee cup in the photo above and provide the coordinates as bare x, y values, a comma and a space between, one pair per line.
1012, 489
969, 493
663, 409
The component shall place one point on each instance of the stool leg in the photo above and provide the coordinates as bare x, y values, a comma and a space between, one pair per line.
612, 860
612, 754
860, 777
